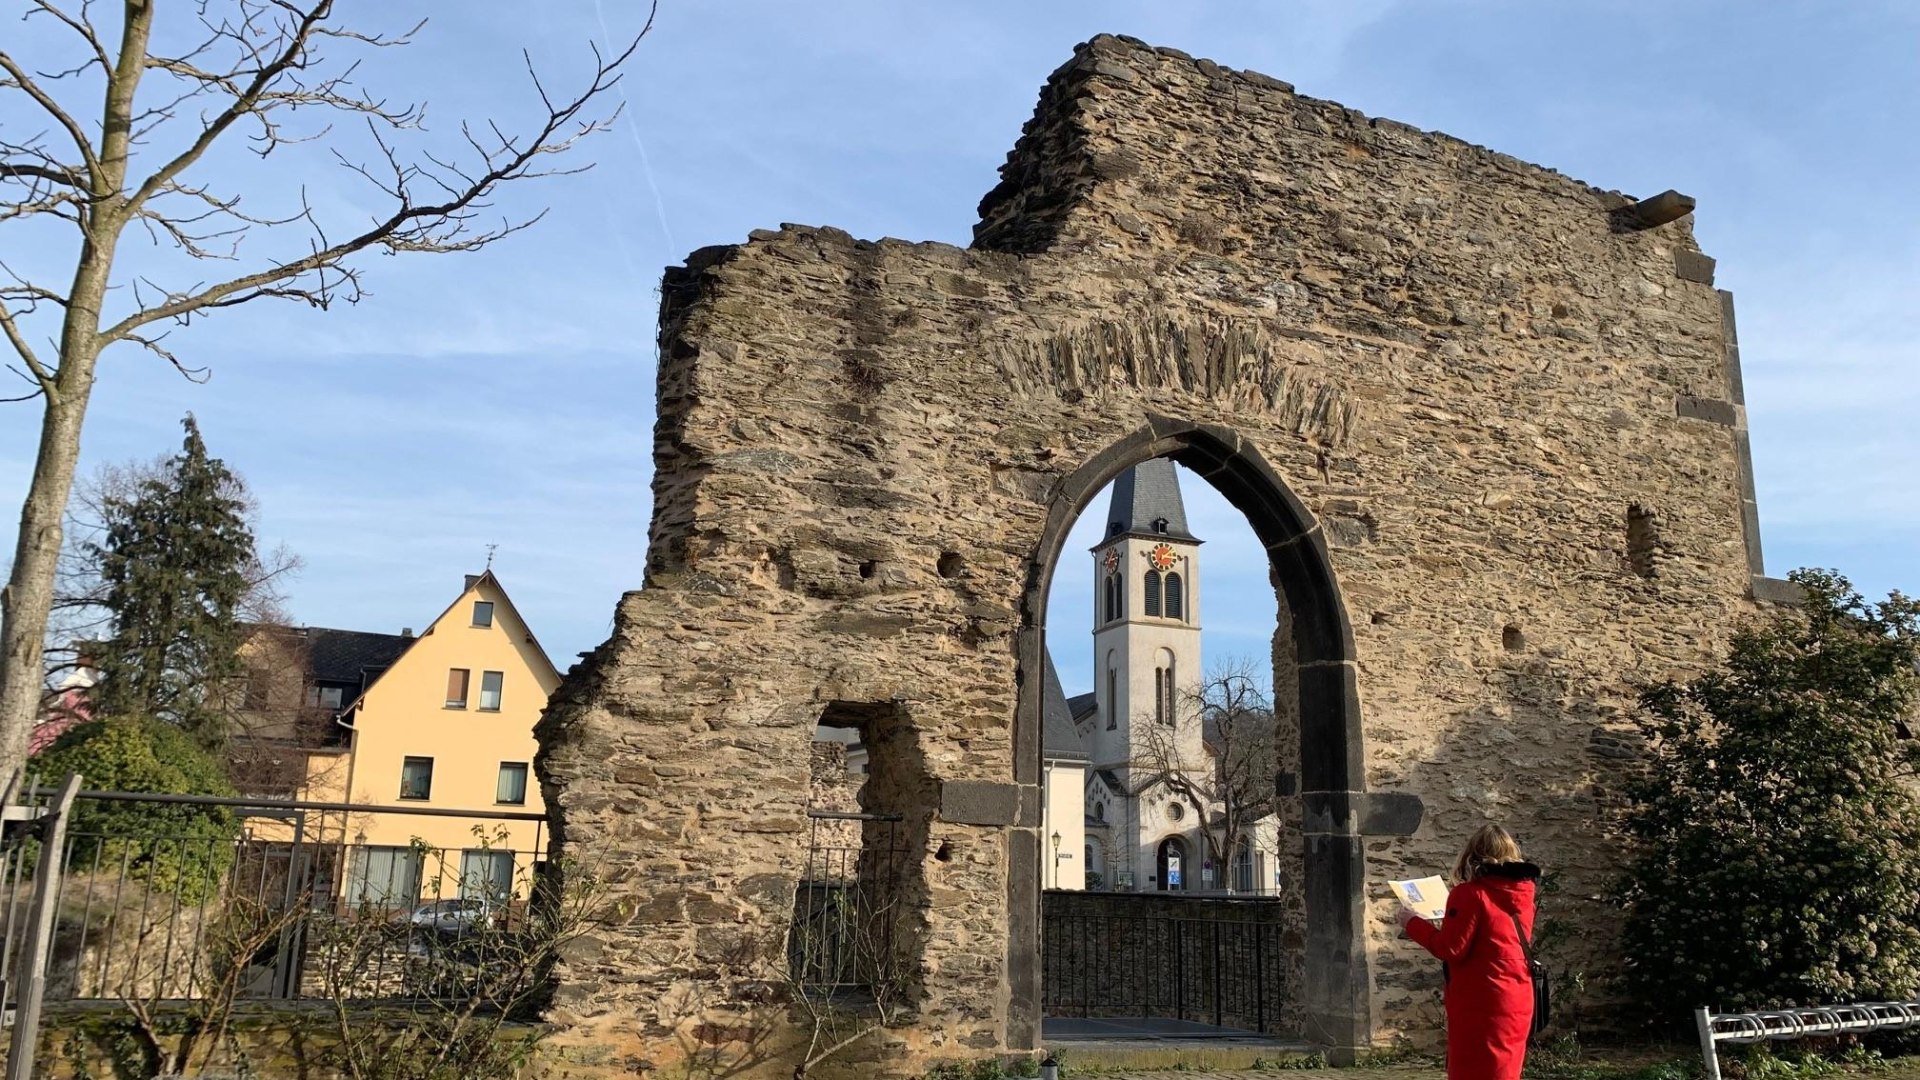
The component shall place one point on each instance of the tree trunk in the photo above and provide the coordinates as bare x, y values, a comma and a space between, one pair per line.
27, 599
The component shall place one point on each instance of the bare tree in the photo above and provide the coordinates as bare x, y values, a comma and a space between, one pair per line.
1226, 776
258, 74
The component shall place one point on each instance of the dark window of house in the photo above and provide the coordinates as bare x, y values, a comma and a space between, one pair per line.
483, 613
325, 697
416, 778
1153, 594
457, 679
1175, 601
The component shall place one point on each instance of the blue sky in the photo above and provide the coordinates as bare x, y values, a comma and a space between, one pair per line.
505, 397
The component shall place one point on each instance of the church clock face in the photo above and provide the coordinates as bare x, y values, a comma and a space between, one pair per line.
1162, 556
1112, 561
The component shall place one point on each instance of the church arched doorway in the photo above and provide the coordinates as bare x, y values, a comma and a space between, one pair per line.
1171, 865
1319, 865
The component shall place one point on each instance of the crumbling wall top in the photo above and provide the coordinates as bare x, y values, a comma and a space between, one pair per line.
1122, 109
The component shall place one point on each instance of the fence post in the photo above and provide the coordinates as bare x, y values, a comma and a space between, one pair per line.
1179, 971
46, 901
1704, 1019
1218, 983
1260, 978
286, 975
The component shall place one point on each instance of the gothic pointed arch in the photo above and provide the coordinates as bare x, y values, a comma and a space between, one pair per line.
1331, 782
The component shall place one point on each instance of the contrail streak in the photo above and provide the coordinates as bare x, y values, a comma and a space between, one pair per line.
633, 128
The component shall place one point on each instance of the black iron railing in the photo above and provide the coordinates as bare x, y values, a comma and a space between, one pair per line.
156, 897
1229, 973
847, 903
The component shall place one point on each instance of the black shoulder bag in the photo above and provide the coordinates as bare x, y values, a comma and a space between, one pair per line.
1542, 993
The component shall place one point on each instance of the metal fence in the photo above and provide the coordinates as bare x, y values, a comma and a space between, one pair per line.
846, 904
1229, 973
1864, 1018
159, 898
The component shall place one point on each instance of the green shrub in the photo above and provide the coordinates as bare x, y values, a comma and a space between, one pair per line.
185, 850
1775, 837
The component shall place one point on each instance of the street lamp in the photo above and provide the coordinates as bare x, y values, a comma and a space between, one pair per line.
1056, 859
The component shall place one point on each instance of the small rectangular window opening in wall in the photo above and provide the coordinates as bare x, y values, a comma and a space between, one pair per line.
457, 679
511, 788
490, 682
1643, 541
483, 613
416, 778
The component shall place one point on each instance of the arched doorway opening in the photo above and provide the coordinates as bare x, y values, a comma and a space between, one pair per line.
1330, 998
1171, 865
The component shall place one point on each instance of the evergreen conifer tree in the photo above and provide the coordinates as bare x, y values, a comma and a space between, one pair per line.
176, 562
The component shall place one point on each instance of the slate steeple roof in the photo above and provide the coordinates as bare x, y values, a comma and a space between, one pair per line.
1144, 496
1058, 737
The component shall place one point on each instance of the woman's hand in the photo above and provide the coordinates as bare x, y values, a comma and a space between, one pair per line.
1404, 916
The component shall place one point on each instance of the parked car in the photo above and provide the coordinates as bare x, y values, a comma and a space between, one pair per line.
448, 920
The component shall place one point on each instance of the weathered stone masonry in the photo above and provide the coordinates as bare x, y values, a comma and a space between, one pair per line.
1487, 419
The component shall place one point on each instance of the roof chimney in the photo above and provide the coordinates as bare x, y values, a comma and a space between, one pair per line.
406, 631
471, 578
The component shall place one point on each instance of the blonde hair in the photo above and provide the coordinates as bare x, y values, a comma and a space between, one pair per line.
1490, 845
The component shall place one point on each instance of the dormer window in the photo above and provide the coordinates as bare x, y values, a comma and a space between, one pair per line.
1160, 525
1115, 528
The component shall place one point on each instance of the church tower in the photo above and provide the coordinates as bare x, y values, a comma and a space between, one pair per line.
1146, 638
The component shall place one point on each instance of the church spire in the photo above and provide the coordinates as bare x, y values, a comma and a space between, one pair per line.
1146, 502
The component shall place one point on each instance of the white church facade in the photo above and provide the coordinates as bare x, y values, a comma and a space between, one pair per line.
1113, 819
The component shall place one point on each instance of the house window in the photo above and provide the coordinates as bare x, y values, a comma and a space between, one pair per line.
512, 785
1153, 594
1175, 601
483, 613
1099, 811
486, 875
324, 697
416, 778
1163, 700
384, 876
457, 679
490, 690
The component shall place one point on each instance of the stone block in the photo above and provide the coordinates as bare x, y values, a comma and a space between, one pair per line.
979, 802
1688, 407
1692, 266
1778, 591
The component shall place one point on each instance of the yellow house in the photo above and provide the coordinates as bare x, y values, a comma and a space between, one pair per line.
433, 734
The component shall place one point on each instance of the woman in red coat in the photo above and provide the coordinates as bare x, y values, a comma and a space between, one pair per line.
1489, 991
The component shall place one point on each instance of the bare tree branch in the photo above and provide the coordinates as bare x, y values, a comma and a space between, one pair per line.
17, 78
58, 174
81, 24
41, 375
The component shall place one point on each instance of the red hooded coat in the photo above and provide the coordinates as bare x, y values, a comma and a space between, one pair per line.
1489, 991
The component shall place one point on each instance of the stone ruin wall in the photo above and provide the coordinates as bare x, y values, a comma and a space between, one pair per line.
1470, 369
